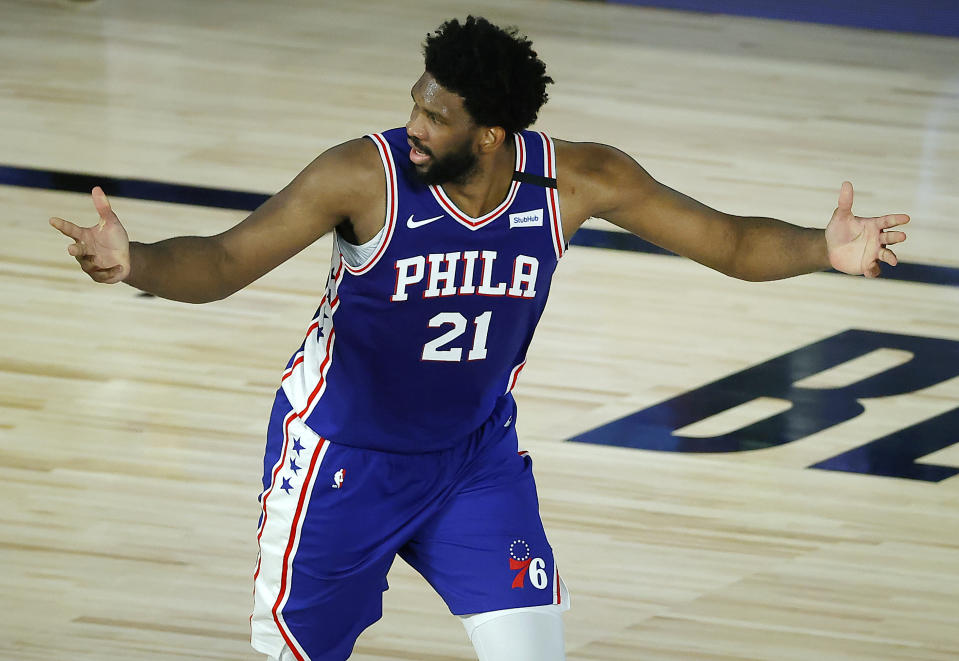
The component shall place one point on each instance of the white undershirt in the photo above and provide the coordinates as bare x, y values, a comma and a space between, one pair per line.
355, 255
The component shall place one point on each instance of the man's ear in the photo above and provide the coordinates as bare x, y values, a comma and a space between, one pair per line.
491, 138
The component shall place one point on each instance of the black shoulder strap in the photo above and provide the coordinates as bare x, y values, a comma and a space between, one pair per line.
527, 178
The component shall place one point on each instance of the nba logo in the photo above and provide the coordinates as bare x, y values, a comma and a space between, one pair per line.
338, 478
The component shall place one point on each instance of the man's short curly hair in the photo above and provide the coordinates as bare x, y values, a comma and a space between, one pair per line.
495, 70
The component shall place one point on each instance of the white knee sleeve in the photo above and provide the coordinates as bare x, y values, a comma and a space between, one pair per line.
518, 634
515, 634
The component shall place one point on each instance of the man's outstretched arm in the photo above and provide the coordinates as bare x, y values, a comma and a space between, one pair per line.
606, 183
341, 184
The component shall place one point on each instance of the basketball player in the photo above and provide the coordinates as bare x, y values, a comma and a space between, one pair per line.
393, 431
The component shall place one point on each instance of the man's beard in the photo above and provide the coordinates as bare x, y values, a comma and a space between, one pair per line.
455, 168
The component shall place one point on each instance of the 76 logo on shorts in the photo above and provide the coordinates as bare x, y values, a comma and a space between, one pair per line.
521, 562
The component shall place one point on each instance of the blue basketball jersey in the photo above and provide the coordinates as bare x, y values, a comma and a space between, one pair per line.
412, 349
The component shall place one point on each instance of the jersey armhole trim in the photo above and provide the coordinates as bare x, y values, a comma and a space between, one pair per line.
552, 197
389, 224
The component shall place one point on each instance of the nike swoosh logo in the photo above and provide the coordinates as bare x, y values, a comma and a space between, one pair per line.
413, 224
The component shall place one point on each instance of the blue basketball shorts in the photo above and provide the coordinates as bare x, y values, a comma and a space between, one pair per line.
334, 518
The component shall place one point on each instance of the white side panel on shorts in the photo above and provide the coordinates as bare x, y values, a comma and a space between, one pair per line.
284, 510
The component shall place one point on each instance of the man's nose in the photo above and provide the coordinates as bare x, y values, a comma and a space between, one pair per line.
414, 126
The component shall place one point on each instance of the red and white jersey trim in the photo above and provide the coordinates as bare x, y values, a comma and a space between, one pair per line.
304, 381
476, 223
514, 376
389, 167
552, 196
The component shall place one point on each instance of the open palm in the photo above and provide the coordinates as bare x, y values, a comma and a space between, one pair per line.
856, 245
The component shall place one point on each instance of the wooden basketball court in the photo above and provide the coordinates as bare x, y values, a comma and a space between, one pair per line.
131, 428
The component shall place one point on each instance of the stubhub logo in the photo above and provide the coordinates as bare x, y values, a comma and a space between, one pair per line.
526, 219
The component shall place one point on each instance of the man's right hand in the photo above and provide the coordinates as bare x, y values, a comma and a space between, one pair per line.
103, 251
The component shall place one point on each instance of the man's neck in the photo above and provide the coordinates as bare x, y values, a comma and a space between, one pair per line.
489, 183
